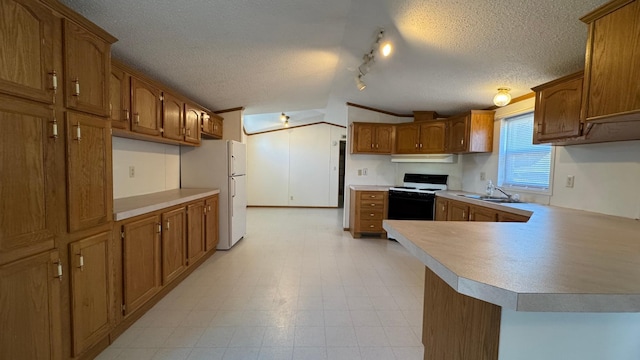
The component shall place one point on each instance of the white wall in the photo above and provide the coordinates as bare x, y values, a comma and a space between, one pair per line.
157, 167
294, 167
606, 175
233, 126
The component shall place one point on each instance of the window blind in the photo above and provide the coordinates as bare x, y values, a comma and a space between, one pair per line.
525, 165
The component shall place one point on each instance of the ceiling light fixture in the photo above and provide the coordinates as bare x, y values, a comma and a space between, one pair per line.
283, 117
286, 122
369, 58
503, 97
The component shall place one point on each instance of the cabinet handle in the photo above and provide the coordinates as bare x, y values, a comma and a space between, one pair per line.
420, 146
54, 126
376, 146
461, 141
78, 132
81, 262
372, 214
184, 131
76, 87
189, 132
464, 214
372, 196
159, 228
54, 80
371, 226
126, 114
372, 146
59, 269
136, 117
539, 128
168, 225
209, 207
373, 205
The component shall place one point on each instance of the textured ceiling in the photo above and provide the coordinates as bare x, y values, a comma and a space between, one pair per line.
300, 56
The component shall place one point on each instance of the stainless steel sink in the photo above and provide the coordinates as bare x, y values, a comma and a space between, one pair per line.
493, 199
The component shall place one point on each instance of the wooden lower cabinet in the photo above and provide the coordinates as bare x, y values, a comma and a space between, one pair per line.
211, 230
508, 217
368, 209
91, 289
174, 244
195, 235
457, 211
30, 308
479, 213
140, 261
441, 209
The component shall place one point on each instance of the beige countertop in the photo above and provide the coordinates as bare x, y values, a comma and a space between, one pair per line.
560, 260
125, 208
370, 187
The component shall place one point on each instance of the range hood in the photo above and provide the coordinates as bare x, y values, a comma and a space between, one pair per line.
425, 158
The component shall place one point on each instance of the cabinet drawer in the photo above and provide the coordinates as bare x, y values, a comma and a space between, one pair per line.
373, 214
371, 195
370, 225
366, 205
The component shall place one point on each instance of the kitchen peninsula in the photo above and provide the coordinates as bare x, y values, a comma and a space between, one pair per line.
564, 285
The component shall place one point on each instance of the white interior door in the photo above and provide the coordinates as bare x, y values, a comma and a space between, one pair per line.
239, 206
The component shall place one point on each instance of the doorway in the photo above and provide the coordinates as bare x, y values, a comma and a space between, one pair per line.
343, 154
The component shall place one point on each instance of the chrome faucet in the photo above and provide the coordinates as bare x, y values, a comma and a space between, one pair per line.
514, 197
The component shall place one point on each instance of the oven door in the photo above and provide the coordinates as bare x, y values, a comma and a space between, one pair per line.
410, 205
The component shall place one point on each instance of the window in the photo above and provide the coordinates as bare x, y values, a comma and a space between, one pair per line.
523, 165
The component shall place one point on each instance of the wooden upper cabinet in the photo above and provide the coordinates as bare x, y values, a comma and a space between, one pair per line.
30, 299
211, 126
32, 178
471, 132
212, 235
557, 109
90, 273
174, 244
172, 117
87, 60
27, 66
195, 232
119, 104
141, 261
433, 137
146, 107
89, 193
407, 138
372, 138
192, 116
612, 68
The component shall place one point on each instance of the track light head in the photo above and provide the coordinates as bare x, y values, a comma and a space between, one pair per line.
359, 83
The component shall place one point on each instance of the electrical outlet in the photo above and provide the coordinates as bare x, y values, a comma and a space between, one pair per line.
365, 172
570, 181
292, 198
132, 171
483, 176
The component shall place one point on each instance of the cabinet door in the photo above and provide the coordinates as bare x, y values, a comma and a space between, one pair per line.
458, 128
384, 139
432, 137
508, 217
174, 244
192, 124
216, 124
32, 178
613, 63
457, 211
211, 232
441, 209
195, 235
407, 141
28, 32
477, 213
30, 308
140, 262
119, 107
362, 138
557, 111
172, 120
89, 175
145, 108
90, 276
87, 60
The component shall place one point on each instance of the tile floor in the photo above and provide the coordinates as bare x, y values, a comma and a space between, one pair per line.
297, 287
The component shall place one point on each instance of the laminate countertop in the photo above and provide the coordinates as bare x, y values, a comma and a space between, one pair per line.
561, 260
125, 208
370, 187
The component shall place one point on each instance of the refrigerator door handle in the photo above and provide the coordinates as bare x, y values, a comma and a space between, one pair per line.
234, 187
233, 165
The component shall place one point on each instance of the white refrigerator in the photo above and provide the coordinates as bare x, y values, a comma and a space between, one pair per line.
220, 164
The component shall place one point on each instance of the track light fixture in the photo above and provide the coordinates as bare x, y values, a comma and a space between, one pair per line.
369, 58
285, 119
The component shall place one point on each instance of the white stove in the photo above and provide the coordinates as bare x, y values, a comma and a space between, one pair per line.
415, 199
